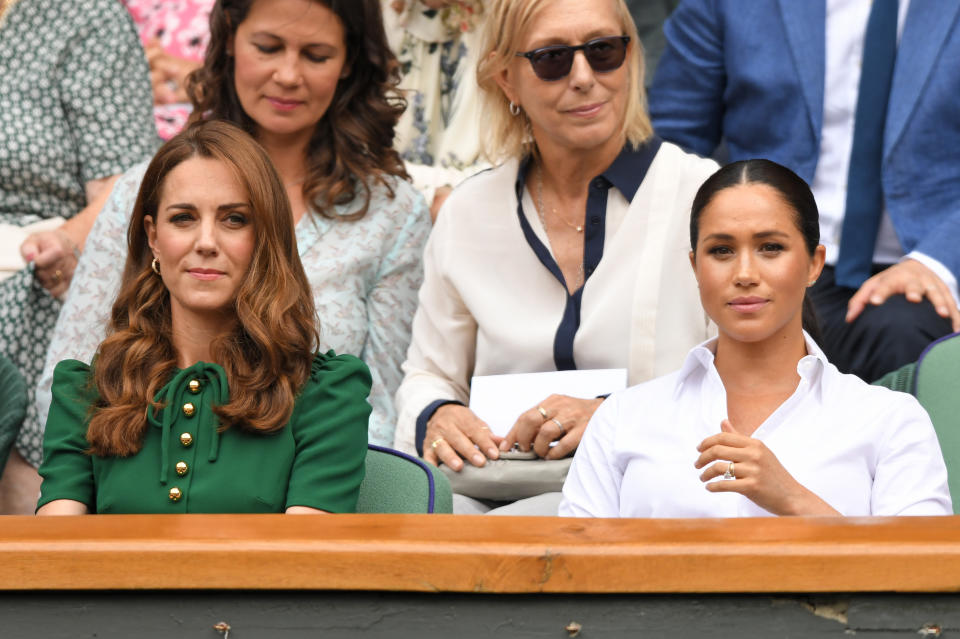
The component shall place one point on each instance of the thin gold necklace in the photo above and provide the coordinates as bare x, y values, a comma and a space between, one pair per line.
543, 222
576, 227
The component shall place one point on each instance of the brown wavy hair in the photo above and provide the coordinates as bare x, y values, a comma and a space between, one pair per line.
353, 141
266, 355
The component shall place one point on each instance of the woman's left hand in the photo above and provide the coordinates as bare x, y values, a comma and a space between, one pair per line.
54, 255
757, 474
557, 418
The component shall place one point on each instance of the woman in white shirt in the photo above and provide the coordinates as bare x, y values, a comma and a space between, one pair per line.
757, 421
571, 254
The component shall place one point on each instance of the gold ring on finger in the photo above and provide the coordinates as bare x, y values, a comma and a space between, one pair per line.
436, 442
730, 472
543, 413
57, 276
563, 431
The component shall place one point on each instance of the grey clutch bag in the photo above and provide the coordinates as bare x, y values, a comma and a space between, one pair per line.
516, 475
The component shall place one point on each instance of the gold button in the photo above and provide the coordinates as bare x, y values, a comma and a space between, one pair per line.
189, 409
182, 468
194, 386
175, 494
186, 439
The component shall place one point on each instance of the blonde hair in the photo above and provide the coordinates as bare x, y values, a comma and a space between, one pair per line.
507, 23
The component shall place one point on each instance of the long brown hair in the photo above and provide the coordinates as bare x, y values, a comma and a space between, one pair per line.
268, 354
352, 145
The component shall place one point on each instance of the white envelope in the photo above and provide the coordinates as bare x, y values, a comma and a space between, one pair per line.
499, 399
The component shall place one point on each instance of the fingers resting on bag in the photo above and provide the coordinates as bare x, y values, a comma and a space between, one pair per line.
455, 433
557, 418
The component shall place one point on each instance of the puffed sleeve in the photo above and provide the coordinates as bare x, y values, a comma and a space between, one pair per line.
592, 487
391, 304
330, 435
910, 477
82, 322
67, 469
106, 92
686, 97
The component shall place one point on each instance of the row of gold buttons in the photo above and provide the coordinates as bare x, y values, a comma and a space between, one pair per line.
186, 439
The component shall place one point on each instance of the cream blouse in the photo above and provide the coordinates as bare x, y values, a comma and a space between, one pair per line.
493, 300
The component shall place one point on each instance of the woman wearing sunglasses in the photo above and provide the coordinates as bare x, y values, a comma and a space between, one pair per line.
570, 254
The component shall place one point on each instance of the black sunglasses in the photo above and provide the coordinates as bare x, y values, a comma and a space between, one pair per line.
554, 62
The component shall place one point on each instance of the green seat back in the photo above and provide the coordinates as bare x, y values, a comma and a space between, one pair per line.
935, 381
900, 379
13, 406
937, 387
399, 483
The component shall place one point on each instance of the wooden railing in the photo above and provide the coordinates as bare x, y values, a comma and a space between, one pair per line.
479, 554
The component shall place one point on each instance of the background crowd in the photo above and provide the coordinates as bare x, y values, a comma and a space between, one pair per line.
480, 187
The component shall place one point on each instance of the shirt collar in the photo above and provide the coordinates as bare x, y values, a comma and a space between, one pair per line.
700, 358
629, 168
626, 172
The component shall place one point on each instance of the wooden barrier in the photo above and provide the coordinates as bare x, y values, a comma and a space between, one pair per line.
434, 553
446, 577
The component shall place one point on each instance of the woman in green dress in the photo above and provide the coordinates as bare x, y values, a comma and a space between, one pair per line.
208, 394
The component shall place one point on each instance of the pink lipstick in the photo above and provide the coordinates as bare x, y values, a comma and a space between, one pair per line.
750, 304
206, 274
284, 105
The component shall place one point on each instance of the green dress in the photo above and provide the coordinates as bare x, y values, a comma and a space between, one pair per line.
186, 466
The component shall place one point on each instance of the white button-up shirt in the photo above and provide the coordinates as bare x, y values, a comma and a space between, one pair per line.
863, 449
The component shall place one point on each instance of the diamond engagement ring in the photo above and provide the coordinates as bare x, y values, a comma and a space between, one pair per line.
730, 474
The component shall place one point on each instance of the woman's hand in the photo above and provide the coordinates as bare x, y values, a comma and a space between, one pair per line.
55, 256
454, 433
558, 417
168, 74
56, 253
757, 474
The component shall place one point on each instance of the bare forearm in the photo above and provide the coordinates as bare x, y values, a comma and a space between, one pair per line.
78, 227
807, 504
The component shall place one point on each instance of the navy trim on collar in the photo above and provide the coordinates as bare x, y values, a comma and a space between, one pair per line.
626, 173
631, 166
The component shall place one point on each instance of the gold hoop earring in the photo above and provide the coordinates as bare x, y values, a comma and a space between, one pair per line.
155, 265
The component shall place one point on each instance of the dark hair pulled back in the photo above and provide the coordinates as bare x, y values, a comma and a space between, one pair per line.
794, 192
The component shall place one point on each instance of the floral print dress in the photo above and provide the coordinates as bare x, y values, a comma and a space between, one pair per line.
74, 107
438, 135
182, 28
